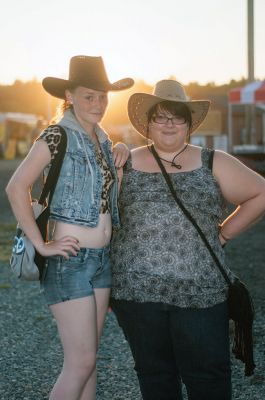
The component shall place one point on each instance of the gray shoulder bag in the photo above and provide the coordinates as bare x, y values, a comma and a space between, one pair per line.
25, 262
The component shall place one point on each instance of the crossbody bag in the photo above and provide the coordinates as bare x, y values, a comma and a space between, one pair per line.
240, 304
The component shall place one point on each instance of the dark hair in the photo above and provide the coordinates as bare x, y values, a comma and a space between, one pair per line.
177, 109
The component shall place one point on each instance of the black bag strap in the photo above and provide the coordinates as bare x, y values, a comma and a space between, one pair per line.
54, 172
188, 215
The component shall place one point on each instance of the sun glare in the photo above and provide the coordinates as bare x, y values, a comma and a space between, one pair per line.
150, 43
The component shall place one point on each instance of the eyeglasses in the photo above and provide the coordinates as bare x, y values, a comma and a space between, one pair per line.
162, 119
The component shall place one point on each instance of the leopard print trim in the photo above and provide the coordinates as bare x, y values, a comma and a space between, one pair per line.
52, 136
108, 181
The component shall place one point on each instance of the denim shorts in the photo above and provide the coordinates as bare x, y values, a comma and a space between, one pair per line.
77, 277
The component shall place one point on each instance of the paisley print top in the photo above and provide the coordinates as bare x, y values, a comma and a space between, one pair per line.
158, 255
52, 137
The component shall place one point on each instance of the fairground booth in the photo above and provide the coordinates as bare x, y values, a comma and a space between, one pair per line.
246, 119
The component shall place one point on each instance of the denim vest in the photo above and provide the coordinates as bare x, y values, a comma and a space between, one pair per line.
77, 196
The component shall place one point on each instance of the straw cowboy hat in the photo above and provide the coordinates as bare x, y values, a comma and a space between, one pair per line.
166, 90
88, 72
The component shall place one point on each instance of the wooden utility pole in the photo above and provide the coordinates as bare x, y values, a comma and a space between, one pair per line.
250, 17
250, 109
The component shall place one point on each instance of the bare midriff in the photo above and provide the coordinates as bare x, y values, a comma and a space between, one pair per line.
88, 237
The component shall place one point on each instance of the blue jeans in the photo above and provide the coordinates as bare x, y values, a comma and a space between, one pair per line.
171, 345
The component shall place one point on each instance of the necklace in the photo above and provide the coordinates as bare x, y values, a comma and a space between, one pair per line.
172, 162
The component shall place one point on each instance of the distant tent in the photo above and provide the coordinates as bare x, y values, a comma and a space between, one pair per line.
30, 119
251, 94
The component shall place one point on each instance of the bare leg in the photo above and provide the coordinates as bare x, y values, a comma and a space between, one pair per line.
102, 302
77, 326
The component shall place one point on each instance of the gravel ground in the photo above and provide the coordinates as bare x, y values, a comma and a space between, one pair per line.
31, 356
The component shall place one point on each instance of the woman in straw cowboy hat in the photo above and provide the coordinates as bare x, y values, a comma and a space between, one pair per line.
167, 293
76, 281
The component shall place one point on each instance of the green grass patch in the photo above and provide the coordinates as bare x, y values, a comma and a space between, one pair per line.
7, 233
5, 286
39, 317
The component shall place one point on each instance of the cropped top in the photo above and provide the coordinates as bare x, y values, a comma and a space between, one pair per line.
157, 255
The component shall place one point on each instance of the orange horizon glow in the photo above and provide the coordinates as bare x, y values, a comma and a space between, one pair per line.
194, 41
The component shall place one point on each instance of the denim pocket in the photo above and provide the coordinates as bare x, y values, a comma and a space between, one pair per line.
73, 262
79, 165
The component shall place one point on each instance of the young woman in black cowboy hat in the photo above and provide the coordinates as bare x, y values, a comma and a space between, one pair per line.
76, 281
167, 291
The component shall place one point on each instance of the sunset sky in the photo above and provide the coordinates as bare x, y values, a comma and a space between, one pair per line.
193, 40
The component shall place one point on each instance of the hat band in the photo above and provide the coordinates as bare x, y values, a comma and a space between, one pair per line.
73, 80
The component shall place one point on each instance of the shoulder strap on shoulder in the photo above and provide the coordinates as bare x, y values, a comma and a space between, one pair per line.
210, 159
55, 169
128, 165
207, 158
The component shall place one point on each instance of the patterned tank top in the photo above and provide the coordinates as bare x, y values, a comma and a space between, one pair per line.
157, 255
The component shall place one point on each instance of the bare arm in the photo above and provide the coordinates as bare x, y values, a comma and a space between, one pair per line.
242, 187
18, 192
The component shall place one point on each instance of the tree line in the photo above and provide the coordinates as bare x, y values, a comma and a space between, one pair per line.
30, 97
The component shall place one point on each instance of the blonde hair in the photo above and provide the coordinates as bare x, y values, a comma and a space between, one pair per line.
60, 110
63, 106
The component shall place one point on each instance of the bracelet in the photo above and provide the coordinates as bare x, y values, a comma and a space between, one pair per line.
225, 238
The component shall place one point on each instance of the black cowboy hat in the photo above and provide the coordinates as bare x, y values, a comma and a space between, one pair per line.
88, 72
